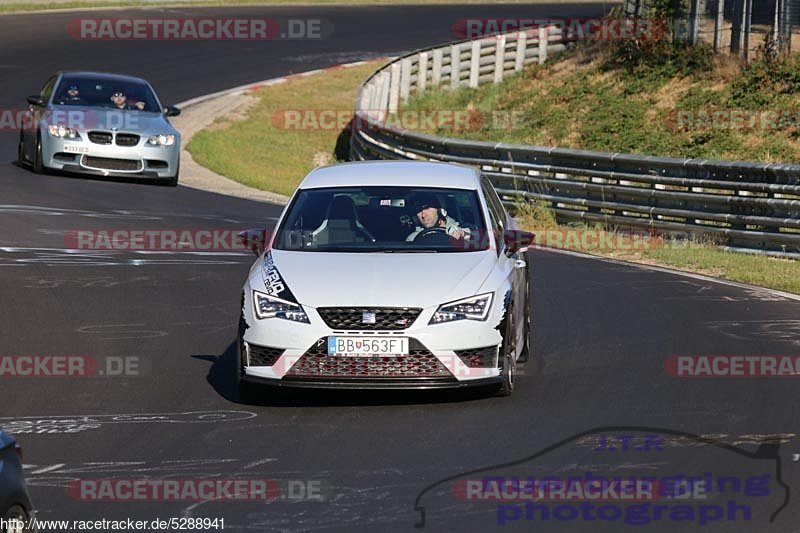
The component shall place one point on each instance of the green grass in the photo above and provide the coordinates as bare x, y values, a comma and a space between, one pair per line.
72, 4
260, 152
589, 99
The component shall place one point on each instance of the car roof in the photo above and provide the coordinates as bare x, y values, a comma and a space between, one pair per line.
393, 173
111, 77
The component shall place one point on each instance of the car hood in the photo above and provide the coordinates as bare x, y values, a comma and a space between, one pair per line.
98, 118
322, 279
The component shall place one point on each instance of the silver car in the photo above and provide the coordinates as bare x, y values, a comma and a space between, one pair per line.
101, 124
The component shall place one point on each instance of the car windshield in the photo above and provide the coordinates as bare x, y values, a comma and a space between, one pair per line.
384, 219
104, 93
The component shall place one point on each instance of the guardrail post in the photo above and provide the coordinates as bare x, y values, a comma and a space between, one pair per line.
374, 96
522, 45
405, 79
544, 33
455, 65
436, 73
499, 58
394, 88
422, 71
383, 100
475, 63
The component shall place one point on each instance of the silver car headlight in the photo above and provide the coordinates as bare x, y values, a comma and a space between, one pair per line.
62, 132
161, 140
472, 308
269, 307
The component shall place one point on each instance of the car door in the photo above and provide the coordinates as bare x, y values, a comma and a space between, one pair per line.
35, 114
513, 268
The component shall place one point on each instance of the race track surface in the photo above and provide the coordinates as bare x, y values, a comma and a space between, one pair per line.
603, 329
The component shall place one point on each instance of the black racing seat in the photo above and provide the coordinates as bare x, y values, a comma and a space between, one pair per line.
341, 224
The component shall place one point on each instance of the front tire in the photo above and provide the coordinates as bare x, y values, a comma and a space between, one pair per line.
15, 520
38, 165
508, 350
21, 150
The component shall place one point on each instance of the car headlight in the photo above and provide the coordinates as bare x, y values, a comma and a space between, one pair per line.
62, 132
161, 140
472, 308
269, 307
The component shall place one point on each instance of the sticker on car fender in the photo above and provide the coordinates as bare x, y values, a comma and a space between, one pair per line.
274, 284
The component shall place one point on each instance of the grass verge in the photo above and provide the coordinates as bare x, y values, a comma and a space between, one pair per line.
692, 255
269, 149
686, 103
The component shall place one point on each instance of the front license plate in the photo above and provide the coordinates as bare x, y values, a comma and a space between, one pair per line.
367, 346
76, 148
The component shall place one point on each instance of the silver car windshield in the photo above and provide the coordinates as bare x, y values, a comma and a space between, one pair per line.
384, 219
105, 93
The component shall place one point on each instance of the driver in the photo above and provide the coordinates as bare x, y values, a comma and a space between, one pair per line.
120, 101
430, 214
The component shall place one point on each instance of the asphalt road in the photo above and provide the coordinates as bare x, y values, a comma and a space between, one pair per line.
376, 460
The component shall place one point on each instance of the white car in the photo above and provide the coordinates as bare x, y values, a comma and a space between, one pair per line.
390, 274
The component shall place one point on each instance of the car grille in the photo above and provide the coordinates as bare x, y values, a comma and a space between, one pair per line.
127, 139
352, 318
108, 163
420, 363
100, 137
263, 355
479, 357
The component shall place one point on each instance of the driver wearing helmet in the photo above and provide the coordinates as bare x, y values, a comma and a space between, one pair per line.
430, 214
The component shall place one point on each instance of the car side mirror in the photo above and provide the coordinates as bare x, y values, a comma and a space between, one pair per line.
517, 240
255, 239
172, 111
36, 100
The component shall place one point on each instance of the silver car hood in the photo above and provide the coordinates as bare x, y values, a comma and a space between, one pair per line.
323, 279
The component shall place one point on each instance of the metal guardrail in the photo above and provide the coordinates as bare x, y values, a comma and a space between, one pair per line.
742, 205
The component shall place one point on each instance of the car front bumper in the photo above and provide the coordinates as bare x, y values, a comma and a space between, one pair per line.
290, 354
86, 157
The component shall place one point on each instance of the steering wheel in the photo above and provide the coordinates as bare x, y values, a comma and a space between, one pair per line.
435, 235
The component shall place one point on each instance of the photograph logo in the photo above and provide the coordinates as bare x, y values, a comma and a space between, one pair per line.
618, 475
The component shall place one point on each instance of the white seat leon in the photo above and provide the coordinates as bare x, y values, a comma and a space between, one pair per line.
389, 274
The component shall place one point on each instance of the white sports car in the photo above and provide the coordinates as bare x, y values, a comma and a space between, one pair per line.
390, 274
